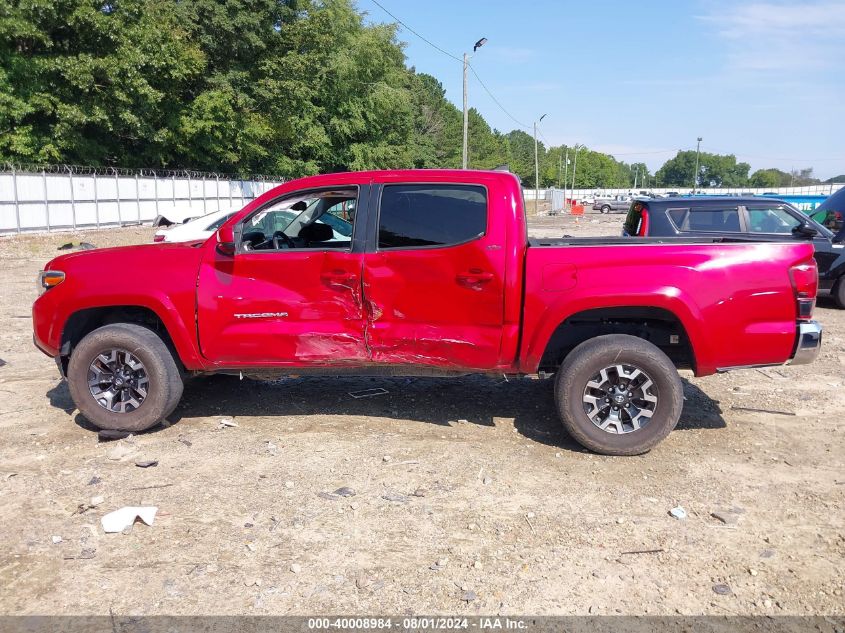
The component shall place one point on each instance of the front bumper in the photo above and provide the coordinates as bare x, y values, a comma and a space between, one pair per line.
808, 343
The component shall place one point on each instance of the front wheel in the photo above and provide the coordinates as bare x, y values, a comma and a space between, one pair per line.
618, 395
605, 209
123, 377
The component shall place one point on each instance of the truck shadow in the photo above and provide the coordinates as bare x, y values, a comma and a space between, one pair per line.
525, 404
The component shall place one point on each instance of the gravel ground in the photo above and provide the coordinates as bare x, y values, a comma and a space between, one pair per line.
466, 495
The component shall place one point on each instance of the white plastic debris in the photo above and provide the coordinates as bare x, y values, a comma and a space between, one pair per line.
227, 422
679, 513
119, 520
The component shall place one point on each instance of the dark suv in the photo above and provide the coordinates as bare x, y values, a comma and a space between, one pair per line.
745, 218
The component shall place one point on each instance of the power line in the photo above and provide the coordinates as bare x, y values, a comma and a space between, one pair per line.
427, 41
495, 100
448, 54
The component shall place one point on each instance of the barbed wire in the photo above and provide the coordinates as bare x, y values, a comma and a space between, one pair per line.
142, 172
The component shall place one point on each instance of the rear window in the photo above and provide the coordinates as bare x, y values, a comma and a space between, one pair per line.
634, 218
707, 220
431, 215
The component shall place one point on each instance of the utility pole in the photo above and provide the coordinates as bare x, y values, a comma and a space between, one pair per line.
565, 174
636, 173
478, 45
536, 167
697, 152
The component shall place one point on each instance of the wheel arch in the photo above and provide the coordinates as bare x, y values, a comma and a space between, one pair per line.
82, 322
659, 326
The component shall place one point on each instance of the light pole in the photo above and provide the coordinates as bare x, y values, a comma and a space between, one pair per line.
695, 178
577, 148
536, 166
477, 45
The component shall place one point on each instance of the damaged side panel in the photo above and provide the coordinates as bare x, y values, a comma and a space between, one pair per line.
288, 307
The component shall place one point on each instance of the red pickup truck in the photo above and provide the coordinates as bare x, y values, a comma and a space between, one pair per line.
424, 273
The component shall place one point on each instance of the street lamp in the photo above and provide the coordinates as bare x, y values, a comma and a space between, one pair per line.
477, 45
695, 177
577, 148
536, 165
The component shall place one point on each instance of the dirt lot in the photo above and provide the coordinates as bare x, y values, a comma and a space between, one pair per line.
463, 488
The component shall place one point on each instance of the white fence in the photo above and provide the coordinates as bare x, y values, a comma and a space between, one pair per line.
50, 199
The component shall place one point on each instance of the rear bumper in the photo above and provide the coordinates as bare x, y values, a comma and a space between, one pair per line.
808, 343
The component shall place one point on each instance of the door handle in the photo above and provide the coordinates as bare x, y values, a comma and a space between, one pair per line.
475, 276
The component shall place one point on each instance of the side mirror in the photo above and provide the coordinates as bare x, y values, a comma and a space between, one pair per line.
226, 240
805, 230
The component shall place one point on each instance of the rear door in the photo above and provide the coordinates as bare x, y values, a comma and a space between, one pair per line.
434, 283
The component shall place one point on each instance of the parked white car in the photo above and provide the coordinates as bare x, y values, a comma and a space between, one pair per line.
198, 229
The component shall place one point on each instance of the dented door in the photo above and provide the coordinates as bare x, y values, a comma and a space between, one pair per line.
428, 300
297, 308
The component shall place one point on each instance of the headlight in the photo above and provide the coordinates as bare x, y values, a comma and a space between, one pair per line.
49, 278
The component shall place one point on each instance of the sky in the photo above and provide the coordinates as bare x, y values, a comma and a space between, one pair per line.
764, 80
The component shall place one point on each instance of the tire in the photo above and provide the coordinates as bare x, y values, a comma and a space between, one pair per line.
160, 220
605, 209
839, 293
163, 380
584, 364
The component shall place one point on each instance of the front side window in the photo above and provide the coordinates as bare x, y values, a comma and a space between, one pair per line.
707, 220
771, 220
314, 219
415, 216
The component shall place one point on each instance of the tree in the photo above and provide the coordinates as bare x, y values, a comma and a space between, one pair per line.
769, 178
714, 170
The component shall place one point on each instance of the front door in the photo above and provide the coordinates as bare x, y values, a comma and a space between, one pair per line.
434, 285
291, 294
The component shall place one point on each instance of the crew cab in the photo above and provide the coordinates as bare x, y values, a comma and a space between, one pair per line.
750, 217
436, 277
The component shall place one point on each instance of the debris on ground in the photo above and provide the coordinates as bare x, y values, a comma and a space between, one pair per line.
120, 452
94, 480
95, 501
643, 551
468, 596
296, 568
146, 463
82, 246
57, 540
86, 554
2, 363
345, 492
108, 435
183, 440
769, 411
722, 589
386, 458
368, 393
419, 492
227, 422
392, 495
487, 481
679, 513
728, 516
123, 518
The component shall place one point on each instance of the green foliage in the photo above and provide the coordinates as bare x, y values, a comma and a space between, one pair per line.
290, 87
714, 170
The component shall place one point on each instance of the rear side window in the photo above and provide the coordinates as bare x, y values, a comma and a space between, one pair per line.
707, 220
431, 215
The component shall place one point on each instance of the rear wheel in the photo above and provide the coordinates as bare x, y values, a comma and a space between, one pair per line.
618, 395
123, 377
